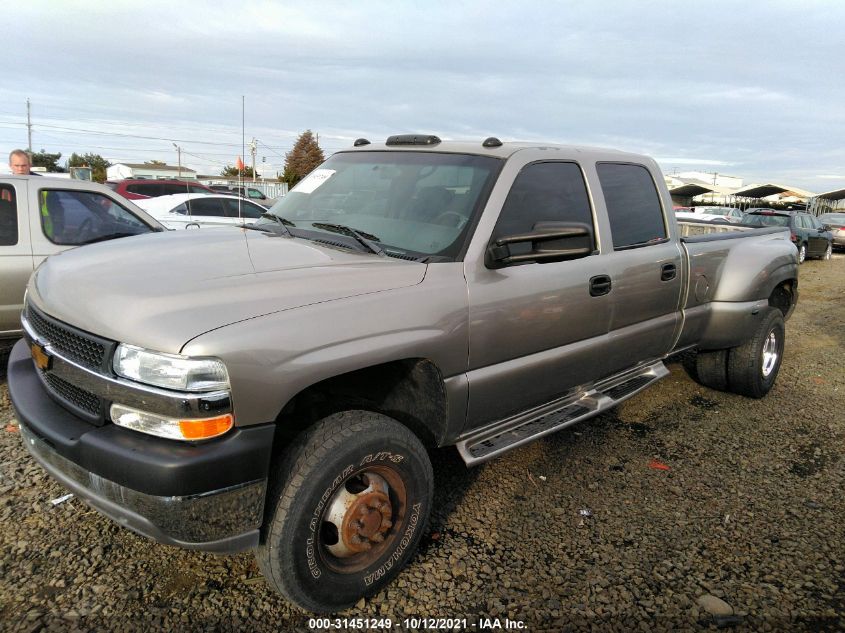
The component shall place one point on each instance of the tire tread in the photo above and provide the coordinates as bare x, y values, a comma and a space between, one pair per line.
305, 455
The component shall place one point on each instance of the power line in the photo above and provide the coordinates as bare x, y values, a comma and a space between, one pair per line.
123, 134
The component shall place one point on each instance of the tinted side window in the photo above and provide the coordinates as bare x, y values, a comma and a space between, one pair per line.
633, 205
170, 189
247, 210
544, 192
71, 218
8, 216
195, 189
145, 189
207, 206
799, 222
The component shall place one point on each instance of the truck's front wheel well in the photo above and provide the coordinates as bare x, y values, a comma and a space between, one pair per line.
410, 391
783, 297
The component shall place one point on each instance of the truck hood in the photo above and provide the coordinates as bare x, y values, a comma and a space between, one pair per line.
161, 290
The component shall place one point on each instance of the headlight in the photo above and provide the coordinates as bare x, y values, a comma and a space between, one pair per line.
170, 370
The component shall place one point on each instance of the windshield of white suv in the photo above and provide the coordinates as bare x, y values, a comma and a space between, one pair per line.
410, 204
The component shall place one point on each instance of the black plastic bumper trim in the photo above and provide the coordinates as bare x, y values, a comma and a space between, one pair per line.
144, 463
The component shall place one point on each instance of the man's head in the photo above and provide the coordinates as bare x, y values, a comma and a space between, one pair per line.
19, 162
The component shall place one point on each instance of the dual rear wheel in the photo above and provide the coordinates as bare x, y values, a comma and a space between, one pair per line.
749, 369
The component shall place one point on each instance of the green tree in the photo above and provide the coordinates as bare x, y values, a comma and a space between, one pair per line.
97, 163
50, 161
231, 171
305, 156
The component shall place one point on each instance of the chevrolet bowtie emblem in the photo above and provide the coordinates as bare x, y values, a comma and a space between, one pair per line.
42, 358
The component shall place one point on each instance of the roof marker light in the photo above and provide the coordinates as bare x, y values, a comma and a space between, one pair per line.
412, 139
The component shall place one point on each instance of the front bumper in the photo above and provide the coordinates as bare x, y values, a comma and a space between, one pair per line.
207, 496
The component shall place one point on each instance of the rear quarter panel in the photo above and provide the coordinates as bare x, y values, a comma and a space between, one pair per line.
730, 282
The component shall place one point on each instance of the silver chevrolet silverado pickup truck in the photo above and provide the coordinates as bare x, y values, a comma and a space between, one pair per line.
277, 387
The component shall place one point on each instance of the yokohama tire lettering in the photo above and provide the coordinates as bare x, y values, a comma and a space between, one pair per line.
310, 552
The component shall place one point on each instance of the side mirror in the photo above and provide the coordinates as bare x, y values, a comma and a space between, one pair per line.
547, 242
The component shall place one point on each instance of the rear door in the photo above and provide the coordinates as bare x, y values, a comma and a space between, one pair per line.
243, 209
645, 267
148, 189
818, 236
209, 210
15, 254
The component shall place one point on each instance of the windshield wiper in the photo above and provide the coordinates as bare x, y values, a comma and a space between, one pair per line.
365, 239
283, 222
252, 227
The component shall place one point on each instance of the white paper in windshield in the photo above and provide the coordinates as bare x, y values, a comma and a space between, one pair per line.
313, 180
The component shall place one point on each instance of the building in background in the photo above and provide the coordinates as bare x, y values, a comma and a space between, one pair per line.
153, 171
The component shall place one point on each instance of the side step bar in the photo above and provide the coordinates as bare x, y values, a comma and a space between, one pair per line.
491, 441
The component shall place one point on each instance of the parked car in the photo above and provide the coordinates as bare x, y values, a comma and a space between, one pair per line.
254, 194
192, 210
42, 216
836, 223
808, 234
699, 217
139, 189
278, 389
729, 214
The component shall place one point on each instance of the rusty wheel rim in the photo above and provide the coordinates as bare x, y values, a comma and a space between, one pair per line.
362, 519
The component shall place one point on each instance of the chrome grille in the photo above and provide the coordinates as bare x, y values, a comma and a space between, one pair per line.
81, 399
84, 350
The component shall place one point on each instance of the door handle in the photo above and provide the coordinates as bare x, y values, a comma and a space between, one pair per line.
600, 285
668, 272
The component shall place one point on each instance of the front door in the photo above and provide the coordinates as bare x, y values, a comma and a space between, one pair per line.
15, 255
536, 330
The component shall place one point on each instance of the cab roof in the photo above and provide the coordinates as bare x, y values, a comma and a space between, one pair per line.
489, 147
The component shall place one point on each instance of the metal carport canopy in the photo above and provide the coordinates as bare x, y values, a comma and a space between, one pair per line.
770, 189
836, 194
690, 190
815, 205
760, 191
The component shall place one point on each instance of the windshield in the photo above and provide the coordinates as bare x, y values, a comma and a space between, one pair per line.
765, 220
417, 204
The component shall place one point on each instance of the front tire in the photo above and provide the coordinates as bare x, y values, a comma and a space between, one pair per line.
802, 253
753, 366
346, 510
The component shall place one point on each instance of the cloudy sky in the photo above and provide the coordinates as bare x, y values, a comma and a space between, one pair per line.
752, 89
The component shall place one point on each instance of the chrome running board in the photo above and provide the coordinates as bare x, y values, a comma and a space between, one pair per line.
494, 439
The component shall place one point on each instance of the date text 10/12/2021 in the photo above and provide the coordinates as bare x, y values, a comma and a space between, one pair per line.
416, 623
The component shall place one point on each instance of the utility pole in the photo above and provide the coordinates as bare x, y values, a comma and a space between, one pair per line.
253, 148
179, 154
28, 127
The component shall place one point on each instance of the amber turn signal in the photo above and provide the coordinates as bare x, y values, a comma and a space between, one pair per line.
206, 428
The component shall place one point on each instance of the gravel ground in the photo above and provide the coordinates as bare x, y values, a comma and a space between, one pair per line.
582, 531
